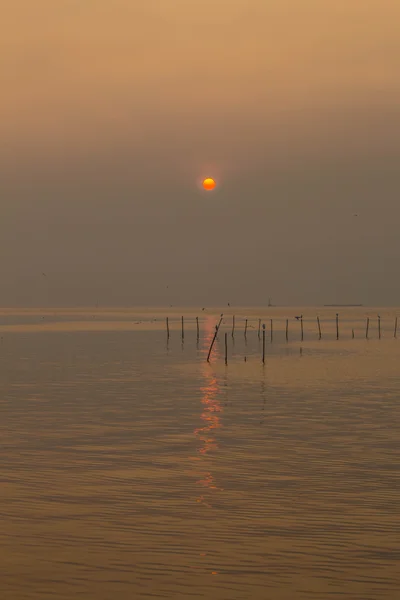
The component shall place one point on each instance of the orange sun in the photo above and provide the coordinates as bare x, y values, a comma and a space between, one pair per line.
209, 183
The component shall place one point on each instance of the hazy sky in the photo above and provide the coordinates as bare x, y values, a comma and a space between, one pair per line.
112, 110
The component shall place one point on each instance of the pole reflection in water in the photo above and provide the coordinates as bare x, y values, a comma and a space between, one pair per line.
211, 416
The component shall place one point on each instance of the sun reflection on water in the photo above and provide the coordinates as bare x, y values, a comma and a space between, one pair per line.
211, 417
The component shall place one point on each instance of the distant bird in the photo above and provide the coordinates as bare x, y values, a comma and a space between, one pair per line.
355, 215
44, 274
203, 309
228, 304
298, 318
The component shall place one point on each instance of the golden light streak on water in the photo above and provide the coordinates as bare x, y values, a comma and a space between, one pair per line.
211, 413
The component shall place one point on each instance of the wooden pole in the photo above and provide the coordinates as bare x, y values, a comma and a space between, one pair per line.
319, 328
214, 338
337, 326
198, 328
233, 325
379, 326
226, 348
272, 331
395, 329
352, 334
167, 328
263, 349
287, 330
367, 328
302, 330
183, 331
245, 329
259, 328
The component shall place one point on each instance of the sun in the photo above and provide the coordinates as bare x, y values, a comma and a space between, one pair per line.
209, 183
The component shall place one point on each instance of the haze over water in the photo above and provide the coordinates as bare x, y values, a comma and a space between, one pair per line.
112, 111
131, 468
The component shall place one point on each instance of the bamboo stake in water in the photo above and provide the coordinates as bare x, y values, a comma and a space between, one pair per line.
379, 326
167, 328
272, 331
319, 328
245, 329
287, 330
263, 349
198, 328
337, 326
226, 348
233, 325
259, 328
367, 328
183, 331
395, 328
302, 330
214, 338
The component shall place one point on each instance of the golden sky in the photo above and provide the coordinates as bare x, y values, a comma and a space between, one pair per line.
170, 90
91, 70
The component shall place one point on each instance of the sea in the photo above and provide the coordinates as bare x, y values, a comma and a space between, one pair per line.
132, 467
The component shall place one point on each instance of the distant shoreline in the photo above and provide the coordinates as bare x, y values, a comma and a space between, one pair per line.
342, 305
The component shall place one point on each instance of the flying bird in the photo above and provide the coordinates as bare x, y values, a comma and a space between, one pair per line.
300, 317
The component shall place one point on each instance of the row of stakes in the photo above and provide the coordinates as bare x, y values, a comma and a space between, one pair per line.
218, 325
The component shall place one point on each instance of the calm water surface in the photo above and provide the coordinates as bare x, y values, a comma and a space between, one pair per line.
132, 468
